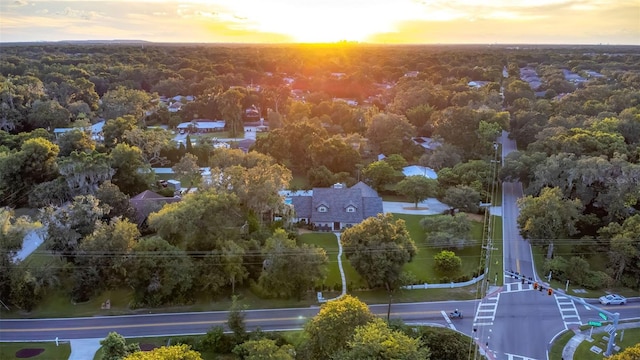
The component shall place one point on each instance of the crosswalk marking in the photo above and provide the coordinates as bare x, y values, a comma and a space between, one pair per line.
517, 286
486, 311
568, 310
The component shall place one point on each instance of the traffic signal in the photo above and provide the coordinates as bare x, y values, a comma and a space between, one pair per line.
550, 291
535, 285
523, 281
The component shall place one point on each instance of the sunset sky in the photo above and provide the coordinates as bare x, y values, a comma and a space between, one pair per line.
373, 21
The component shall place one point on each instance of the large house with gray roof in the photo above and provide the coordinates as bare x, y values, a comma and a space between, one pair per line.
337, 207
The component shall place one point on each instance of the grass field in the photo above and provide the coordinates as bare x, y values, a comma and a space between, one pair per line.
555, 353
583, 352
51, 351
422, 264
328, 242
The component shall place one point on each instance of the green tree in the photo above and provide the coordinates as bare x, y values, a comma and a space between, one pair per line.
114, 347
379, 174
159, 273
447, 262
230, 104
446, 231
445, 343
132, 175
624, 251
462, 197
417, 188
152, 142
187, 168
391, 134
236, 320
67, 225
118, 202
23, 292
114, 129
174, 352
445, 156
37, 159
85, 172
335, 154
95, 271
290, 269
329, 331
76, 140
264, 349
396, 161
200, 223
320, 177
122, 101
378, 248
48, 115
375, 340
548, 217
13, 229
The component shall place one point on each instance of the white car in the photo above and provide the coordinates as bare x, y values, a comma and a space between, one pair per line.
613, 299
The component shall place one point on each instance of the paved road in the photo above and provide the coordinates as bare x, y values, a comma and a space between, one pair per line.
198, 323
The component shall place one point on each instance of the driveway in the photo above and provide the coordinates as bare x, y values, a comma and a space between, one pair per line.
430, 206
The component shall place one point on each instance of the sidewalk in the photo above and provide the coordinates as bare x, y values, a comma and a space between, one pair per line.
84, 349
570, 349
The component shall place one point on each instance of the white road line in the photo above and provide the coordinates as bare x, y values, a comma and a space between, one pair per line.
517, 357
483, 324
446, 318
569, 307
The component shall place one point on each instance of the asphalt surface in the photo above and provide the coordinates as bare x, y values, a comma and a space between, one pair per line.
200, 322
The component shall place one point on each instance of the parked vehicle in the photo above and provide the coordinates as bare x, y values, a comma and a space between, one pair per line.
613, 299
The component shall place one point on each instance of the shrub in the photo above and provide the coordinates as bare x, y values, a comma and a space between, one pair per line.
596, 280
215, 340
447, 262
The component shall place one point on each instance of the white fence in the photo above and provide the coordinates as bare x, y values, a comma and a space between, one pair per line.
444, 286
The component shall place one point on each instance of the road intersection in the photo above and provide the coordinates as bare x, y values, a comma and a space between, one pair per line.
513, 322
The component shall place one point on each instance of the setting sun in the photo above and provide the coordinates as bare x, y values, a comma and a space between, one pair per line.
326, 21
309, 21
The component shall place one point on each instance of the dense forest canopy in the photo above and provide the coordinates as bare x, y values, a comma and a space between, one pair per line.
330, 111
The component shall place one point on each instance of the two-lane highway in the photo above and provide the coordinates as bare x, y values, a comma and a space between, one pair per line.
201, 322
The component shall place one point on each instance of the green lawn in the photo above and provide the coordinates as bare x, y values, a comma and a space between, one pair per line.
51, 351
422, 264
583, 351
328, 242
555, 353
496, 259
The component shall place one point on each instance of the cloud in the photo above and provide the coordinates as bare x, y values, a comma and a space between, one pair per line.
405, 21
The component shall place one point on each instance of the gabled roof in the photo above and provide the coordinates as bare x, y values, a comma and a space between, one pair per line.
147, 202
367, 191
361, 197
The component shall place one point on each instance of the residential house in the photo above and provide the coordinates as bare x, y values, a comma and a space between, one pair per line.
337, 207
427, 143
94, 130
148, 202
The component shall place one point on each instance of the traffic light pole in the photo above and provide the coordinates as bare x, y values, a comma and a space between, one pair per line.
604, 314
